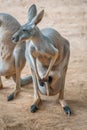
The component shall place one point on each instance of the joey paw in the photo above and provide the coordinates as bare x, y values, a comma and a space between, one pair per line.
49, 79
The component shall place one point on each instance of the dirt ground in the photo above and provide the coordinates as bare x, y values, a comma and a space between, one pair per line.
69, 17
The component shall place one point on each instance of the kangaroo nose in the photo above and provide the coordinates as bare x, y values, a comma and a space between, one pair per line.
14, 39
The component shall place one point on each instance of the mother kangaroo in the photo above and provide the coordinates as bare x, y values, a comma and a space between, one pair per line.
48, 55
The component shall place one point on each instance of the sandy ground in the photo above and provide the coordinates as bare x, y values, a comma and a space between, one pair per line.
69, 17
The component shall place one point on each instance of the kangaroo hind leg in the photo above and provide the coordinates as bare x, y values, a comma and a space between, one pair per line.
64, 104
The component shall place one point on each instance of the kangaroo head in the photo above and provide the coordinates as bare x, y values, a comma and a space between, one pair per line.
27, 30
31, 14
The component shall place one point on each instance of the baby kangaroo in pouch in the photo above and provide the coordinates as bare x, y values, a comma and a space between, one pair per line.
48, 55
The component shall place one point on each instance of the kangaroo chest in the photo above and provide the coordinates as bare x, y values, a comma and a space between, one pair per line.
5, 52
41, 56
6, 47
5, 59
43, 52
44, 58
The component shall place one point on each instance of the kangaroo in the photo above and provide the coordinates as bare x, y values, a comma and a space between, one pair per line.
48, 55
12, 57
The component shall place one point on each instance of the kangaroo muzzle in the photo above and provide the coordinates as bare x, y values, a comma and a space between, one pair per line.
15, 39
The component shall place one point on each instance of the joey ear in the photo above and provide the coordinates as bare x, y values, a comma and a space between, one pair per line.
39, 17
32, 12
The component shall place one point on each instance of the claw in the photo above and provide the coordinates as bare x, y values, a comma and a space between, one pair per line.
33, 108
41, 83
10, 97
67, 110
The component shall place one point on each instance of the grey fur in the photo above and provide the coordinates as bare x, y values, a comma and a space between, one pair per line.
12, 57
48, 55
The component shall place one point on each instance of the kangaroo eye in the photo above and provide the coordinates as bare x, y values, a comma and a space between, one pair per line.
24, 30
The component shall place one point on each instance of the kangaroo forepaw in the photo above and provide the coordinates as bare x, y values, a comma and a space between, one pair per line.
10, 97
41, 83
33, 108
67, 110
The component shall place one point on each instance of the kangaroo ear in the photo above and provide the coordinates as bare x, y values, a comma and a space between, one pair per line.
32, 12
39, 17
